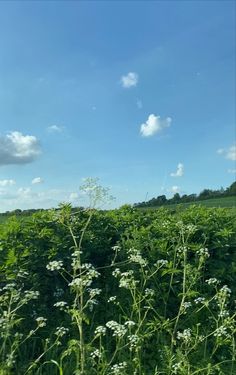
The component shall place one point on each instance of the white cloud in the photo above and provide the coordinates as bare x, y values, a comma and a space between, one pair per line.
179, 172
7, 182
175, 189
37, 180
16, 148
139, 103
55, 129
73, 196
130, 80
229, 153
232, 171
153, 125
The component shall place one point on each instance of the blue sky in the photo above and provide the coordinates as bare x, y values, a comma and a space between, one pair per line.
138, 94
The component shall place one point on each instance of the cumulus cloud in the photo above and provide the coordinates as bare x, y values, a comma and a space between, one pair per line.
229, 153
130, 80
154, 124
16, 148
175, 189
4, 183
179, 172
232, 171
55, 129
37, 180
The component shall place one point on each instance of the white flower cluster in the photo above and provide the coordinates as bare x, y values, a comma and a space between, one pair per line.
61, 331
31, 294
126, 279
129, 323
95, 354
118, 369
161, 263
54, 265
41, 321
116, 272
10, 286
112, 299
212, 281
94, 292
199, 300
119, 330
116, 248
221, 331
86, 277
203, 252
185, 335
136, 257
133, 341
149, 292
100, 331
176, 367
60, 304
186, 305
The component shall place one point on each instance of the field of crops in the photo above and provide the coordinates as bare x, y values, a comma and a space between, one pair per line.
118, 292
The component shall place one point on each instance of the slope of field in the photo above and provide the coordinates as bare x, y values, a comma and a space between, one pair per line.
228, 202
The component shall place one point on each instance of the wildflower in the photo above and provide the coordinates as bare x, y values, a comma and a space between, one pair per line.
149, 292
100, 331
119, 330
129, 323
212, 281
136, 257
94, 292
116, 248
161, 263
60, 304
221, 331
116, 272
199, 300
111, 299
61, 331
186, 305
133, 341
176, 367
41, 321
31, 294
203, 252
118, 368
55, 265
95, 354
185, 335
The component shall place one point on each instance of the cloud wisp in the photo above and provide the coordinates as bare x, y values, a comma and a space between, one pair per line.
37, 180
179, 172
229, 153
153, 125
55, 129
16, 148
130, 80
4, 183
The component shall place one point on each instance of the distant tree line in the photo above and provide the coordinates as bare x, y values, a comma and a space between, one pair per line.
161, 200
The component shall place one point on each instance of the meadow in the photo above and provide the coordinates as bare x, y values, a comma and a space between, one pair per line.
123, 292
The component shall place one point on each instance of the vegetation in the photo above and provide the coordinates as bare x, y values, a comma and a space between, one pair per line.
118, 292
206, 194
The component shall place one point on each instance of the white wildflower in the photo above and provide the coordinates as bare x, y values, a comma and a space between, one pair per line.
55, 265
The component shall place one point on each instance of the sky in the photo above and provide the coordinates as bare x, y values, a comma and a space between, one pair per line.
139, 94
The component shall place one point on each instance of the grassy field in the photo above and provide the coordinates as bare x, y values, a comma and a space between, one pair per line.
229, 202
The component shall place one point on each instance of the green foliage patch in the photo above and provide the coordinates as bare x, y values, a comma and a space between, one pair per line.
118, 292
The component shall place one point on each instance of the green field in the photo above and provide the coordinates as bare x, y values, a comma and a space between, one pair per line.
227, 202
